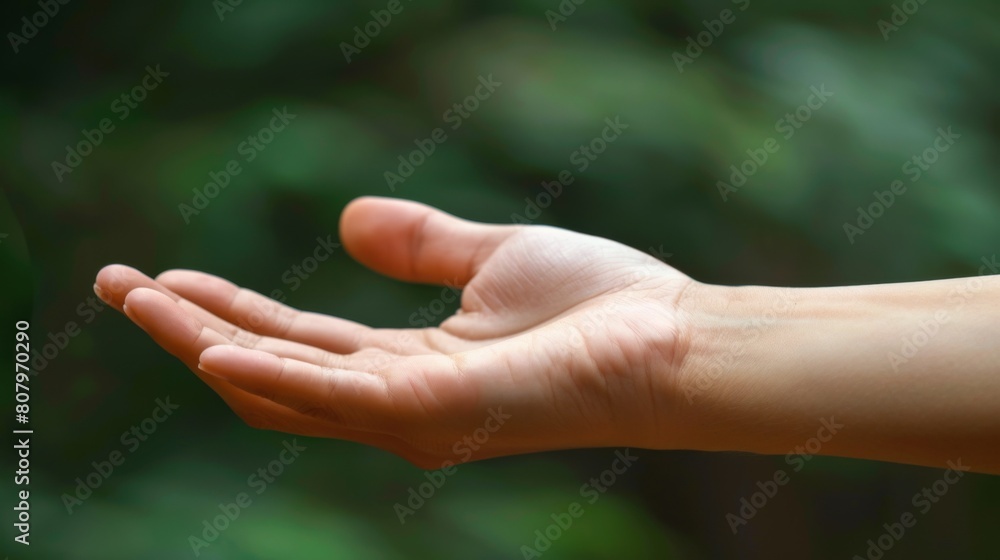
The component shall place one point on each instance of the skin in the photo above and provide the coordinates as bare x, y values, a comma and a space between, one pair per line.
577, 341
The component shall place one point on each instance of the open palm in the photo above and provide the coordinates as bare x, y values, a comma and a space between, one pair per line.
562, 340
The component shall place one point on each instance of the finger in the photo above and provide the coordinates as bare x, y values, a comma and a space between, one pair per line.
154, 314
171, 327
185, 338
417, 243
253, 312
398, 403
368, 360
346, 398
114, 282
243, 313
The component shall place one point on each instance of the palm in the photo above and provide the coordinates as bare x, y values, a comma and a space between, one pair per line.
571, 336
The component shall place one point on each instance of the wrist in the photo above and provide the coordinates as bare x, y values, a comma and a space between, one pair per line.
728, 367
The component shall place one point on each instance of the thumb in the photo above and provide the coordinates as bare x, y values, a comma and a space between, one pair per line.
416, 243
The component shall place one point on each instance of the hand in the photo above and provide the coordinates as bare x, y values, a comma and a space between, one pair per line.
563, 340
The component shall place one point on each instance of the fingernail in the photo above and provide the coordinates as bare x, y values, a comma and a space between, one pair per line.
202, 369
130, 315
102, 294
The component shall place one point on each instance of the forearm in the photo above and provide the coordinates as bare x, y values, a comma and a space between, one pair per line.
910, 371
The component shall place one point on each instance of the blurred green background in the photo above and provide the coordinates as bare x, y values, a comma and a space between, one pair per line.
656, 187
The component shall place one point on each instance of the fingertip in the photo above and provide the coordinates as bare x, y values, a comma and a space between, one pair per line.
223, 360
105, 296
171, 280
111, 271
353, 219
189, 282
158, 313
138, 298
210, 359
383, 233
215, 354
111, 283
131, 314
168, 275
141, 296
415, 242
368, 200
182, 275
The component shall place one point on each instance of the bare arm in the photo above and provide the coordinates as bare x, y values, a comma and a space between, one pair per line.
567, 340
906, 372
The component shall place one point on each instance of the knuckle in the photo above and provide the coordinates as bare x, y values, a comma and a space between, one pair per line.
246, 339
284, 318
329, 362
